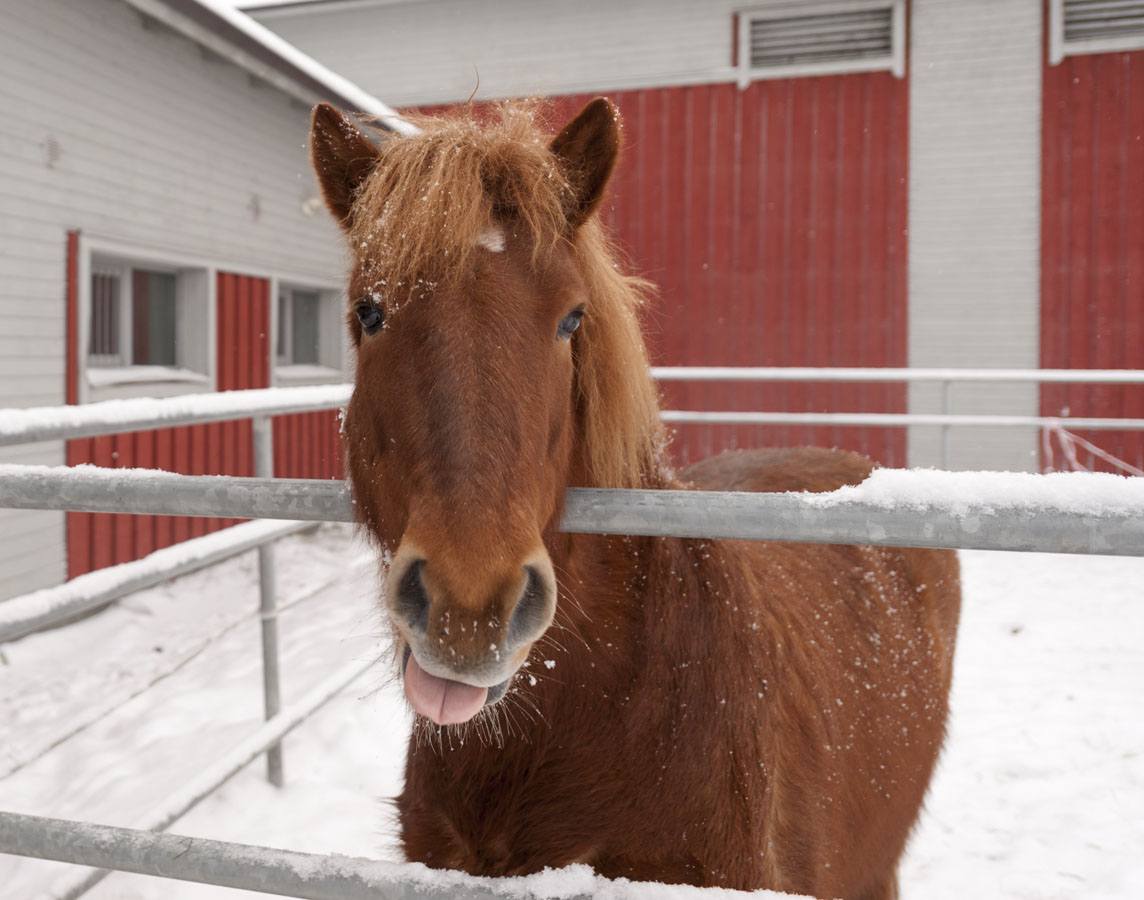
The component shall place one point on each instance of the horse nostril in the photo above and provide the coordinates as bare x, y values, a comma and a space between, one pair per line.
412, 602
533, 610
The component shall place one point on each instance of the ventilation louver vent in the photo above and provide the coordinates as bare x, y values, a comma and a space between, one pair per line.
819, 38
1094, 26
1103, 19
834, 37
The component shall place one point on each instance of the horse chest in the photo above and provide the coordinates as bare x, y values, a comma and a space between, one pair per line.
588, 800
498, 812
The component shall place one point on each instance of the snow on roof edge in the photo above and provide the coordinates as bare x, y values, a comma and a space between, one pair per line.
304, 65
361, 99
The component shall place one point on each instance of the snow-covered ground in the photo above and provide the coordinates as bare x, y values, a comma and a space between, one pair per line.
1040, 793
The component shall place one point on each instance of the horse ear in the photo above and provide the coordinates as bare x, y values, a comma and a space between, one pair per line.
342, 157
587, 150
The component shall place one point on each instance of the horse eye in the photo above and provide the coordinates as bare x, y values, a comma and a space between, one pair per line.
371, 317
569, 324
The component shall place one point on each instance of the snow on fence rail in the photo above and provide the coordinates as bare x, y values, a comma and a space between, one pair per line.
47, 423
887, 374
44, 608
306, 875
895, 420
268, 736
1062, 512
22, 426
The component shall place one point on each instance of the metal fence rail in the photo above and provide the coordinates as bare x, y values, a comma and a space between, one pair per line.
266, 737
305, 875
57, 605
23, 426
887, 374
204, 861
1043, 522
897, 420
26, 426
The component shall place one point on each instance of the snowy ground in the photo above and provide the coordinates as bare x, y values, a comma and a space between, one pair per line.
1040, 793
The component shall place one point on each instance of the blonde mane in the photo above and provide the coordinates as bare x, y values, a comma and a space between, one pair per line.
423, 211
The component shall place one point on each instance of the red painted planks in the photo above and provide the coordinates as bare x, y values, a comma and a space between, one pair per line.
198, 465
123, 527
164, 459
715, 185
71, 302
102, 547
773, 220
781, 210
144, 458
1092, 239
308, 445
77, 526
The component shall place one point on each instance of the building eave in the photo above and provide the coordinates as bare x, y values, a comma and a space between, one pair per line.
232, 34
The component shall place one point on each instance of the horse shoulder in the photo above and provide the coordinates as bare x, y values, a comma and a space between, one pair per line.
863, 641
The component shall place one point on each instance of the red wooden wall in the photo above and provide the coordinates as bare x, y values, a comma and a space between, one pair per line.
306, 446
773, 220
1092, 237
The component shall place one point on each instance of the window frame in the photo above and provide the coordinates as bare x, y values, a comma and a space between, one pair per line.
1059, 48
124, 270
332, 340
895, 62
195, 284
93, 247
121, 272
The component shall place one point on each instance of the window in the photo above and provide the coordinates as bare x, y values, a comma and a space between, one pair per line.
308, 342
1094, 26
103, 348
786, 39
146, 323
298, 326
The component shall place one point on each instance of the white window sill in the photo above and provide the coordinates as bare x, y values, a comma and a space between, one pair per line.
106, 376
308, 374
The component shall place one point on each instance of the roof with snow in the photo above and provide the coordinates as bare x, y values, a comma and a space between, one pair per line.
227, 31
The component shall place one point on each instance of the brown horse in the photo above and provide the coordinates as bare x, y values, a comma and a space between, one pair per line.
708, 712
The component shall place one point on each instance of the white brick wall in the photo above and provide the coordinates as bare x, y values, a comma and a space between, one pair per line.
975, 172
159, 145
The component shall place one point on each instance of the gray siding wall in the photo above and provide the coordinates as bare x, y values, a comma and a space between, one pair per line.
134, 135
975, 172
432, 51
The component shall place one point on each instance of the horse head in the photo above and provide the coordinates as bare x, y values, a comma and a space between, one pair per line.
498, 362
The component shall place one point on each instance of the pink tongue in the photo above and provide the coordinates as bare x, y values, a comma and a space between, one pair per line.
445, 702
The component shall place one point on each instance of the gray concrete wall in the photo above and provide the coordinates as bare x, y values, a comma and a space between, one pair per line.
974, 218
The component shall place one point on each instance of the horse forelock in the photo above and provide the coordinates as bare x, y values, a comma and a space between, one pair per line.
436, 197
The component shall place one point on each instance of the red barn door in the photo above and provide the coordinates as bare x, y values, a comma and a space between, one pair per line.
773, 221
1092, 239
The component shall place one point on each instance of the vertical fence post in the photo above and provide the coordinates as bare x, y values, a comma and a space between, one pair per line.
268, 601
945, 385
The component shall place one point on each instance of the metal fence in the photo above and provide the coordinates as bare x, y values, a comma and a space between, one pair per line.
26, 426
285, 872
1041, 514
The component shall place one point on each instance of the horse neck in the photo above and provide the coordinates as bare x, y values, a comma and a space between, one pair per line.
622, 595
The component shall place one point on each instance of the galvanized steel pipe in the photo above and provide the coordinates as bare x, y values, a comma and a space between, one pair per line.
952, 522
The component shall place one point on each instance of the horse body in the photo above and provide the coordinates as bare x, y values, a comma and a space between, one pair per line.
725, 713
780, 708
